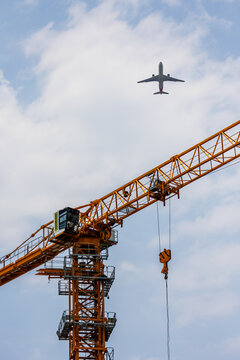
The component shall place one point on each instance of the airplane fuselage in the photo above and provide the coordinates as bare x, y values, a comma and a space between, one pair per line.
160, 72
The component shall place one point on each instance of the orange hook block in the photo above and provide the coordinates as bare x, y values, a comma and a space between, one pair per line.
165, 257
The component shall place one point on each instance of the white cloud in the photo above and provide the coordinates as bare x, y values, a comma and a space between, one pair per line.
30, 2
127, 266
232, 345
224, 216
199, 307
86, 73
172, 2
227, 1
203, 282
211, 267
93, 127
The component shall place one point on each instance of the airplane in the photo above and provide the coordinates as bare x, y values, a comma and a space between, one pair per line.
160, 78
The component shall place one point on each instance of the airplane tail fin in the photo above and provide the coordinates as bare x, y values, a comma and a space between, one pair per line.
160, 92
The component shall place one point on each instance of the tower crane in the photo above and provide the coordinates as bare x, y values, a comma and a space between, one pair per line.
88, 231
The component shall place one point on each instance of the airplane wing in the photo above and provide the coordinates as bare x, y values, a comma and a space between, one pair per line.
153, 78
169, 78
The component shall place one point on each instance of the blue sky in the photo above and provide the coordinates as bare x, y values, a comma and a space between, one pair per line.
221, 17
75, 125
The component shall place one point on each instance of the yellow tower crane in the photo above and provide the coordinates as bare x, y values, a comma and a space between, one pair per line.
88, 231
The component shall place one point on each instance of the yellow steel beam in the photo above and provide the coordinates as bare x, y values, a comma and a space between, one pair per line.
110, 210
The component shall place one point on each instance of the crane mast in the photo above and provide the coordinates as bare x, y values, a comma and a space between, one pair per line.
86, 282
82, 275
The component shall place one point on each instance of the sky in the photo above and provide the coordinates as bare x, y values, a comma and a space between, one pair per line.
75, 125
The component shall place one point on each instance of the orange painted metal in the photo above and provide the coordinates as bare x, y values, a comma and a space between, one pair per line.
165, 257
86, 320
88, 342
160, 183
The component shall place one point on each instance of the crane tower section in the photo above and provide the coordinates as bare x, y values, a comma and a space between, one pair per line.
86, 281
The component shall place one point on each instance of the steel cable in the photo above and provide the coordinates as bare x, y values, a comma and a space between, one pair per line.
158, 226
169, 225
168, 322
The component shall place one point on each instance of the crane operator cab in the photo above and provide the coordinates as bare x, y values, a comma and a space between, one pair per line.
66, 221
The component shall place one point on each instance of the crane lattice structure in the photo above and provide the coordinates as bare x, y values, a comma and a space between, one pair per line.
83, 276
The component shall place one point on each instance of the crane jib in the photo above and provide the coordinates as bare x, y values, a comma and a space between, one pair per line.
102, 214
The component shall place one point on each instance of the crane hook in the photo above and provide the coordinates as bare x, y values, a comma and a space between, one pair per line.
165, 257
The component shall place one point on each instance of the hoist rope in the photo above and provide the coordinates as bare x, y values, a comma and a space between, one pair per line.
168, 322
158, 226
166, 277
169, 225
